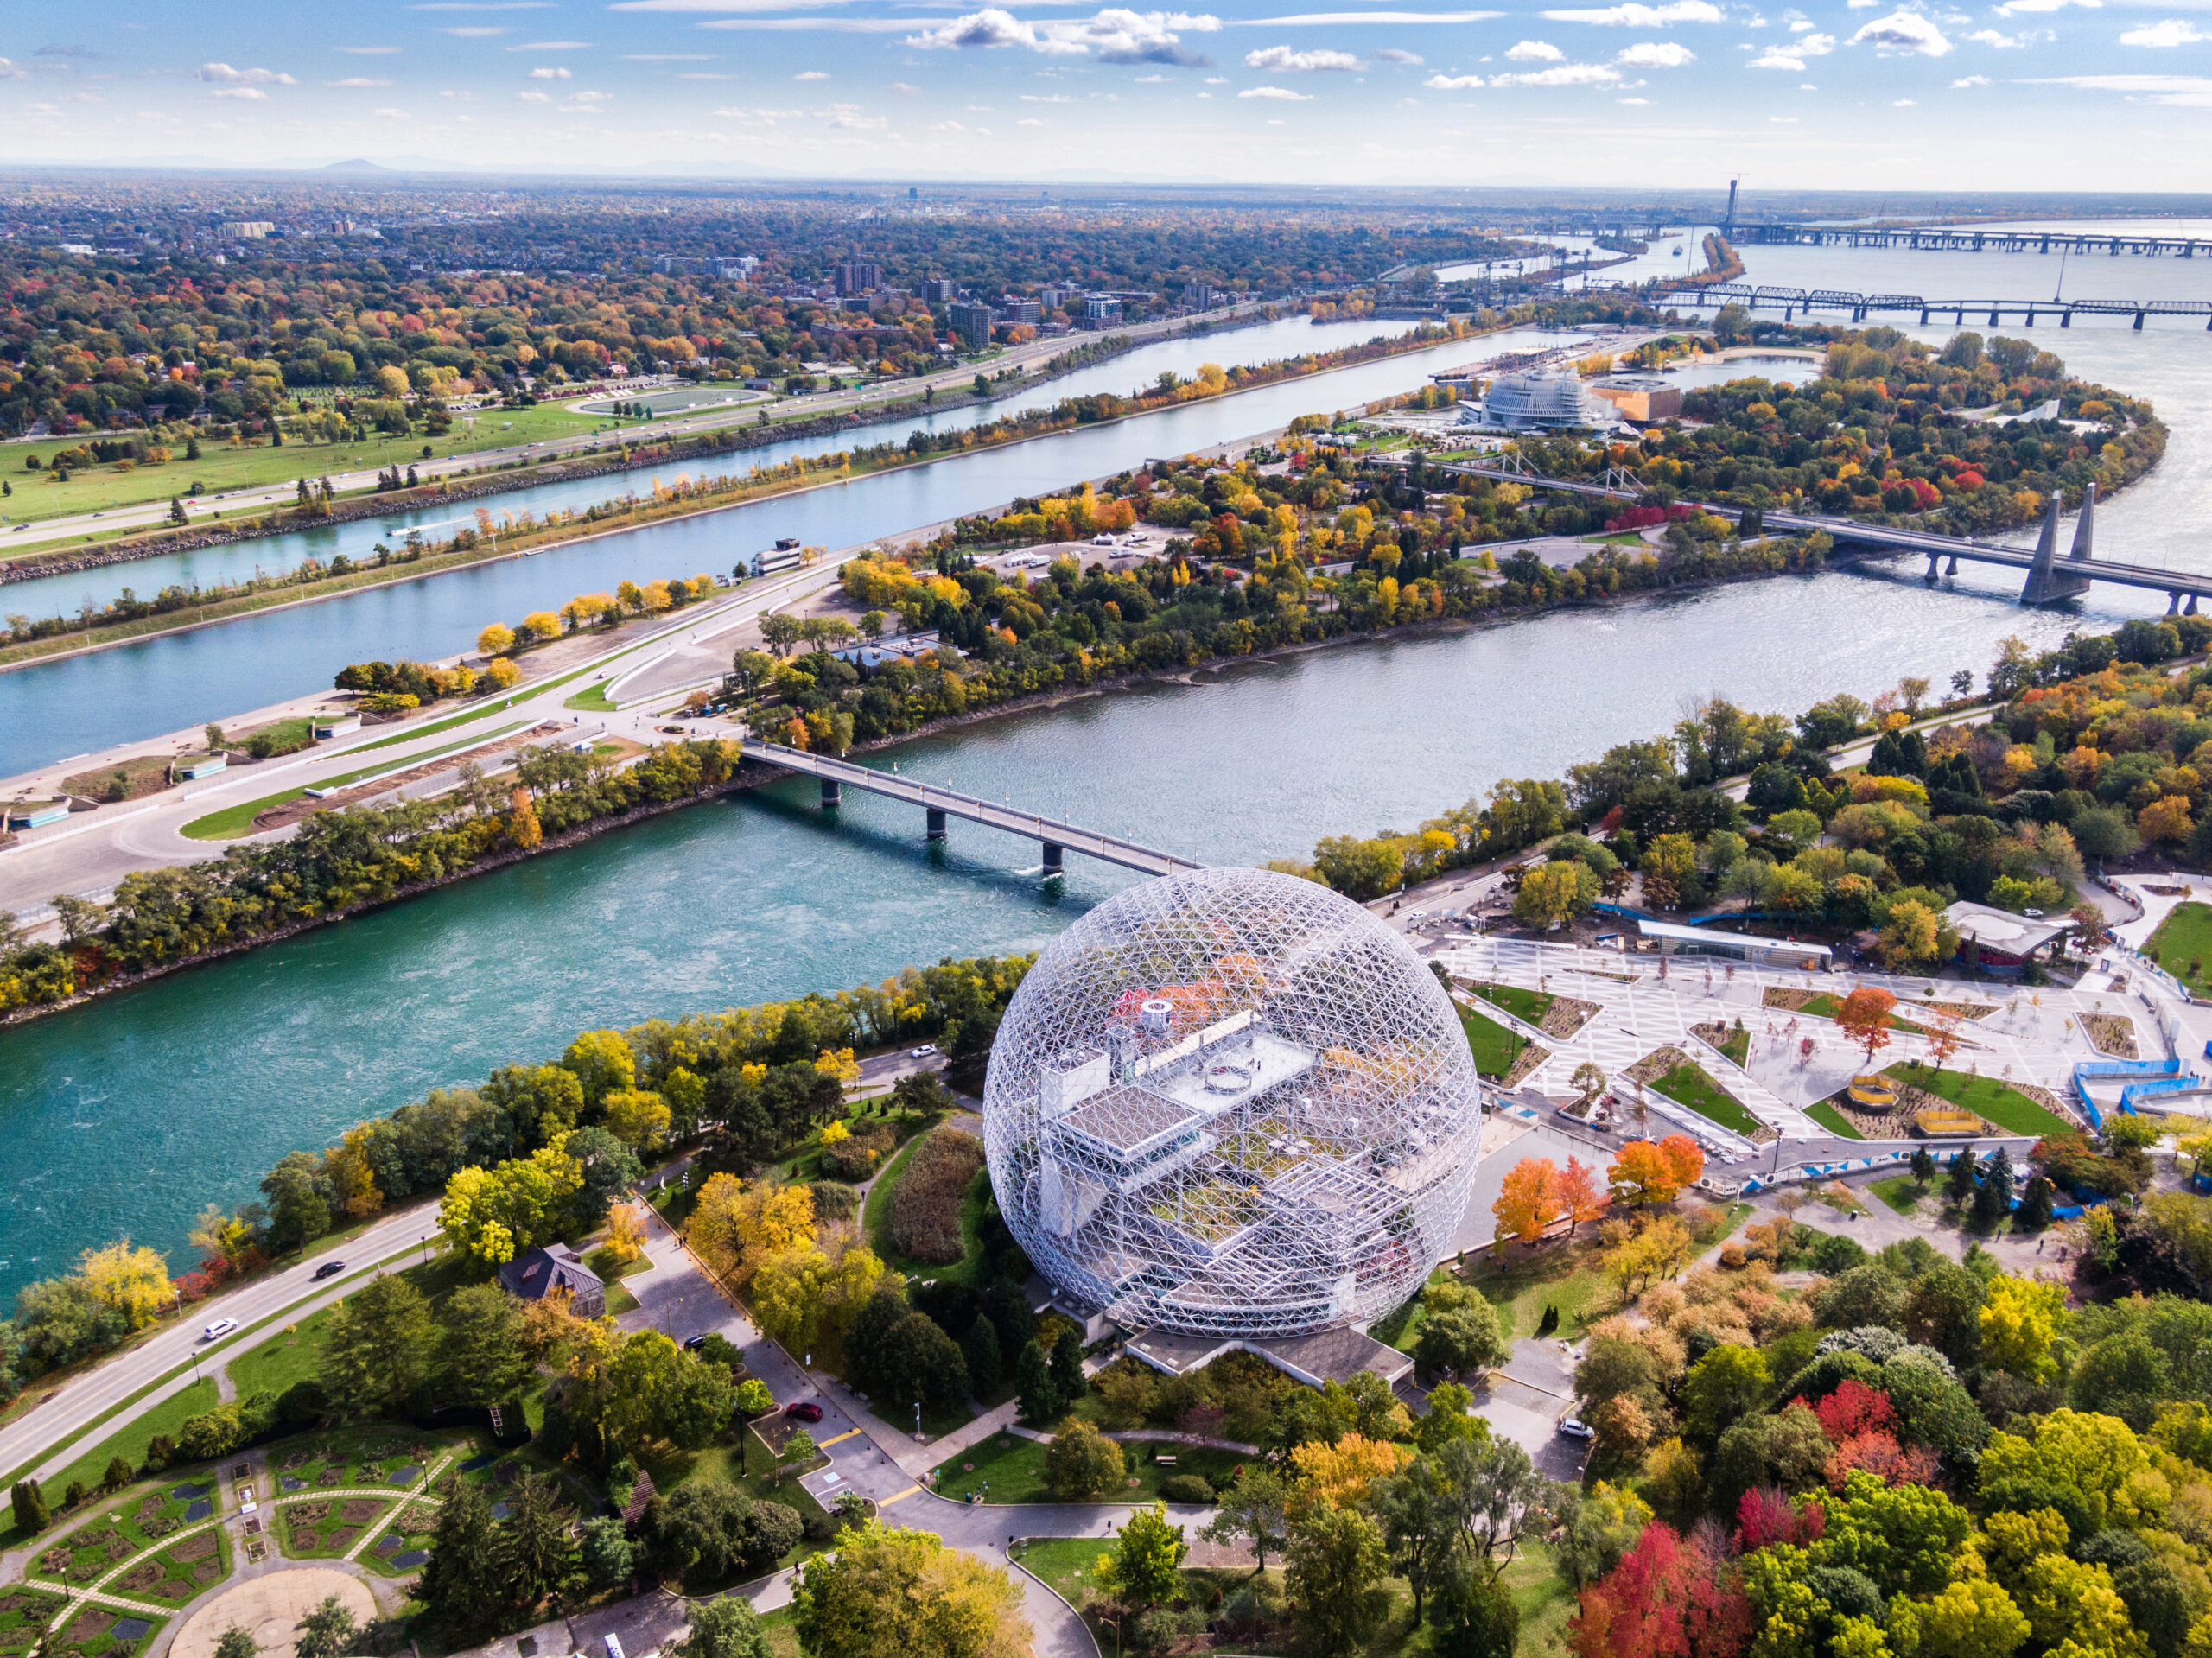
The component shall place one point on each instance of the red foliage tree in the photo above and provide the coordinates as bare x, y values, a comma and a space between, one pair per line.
1766, 1516
1877, 1452
1853, 1408
1670, 1596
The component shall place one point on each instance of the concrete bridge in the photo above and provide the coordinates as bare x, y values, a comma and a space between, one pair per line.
2051, 578
1791, 302
939, 805
1956, 239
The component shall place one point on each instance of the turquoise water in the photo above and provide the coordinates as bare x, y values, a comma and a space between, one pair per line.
128, 1115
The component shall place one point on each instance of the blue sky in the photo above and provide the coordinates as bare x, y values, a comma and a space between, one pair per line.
1871, 94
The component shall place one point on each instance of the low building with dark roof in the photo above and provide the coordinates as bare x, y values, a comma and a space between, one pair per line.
537, 1274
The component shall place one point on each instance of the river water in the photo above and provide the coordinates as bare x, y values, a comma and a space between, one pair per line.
126, 1116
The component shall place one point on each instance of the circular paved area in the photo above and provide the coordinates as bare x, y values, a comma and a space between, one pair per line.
269, 1608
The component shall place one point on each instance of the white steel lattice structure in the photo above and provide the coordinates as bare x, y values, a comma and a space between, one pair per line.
1232, 1104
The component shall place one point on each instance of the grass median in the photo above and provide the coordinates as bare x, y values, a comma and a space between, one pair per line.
236, 822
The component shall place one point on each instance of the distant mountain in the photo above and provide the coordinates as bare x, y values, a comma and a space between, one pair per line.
358, 164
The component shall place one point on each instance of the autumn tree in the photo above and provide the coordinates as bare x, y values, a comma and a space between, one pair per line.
1554, 893
1580, 1197
1647, 1172
1864, 1016
884, 1591
1911, 938
1527, 1200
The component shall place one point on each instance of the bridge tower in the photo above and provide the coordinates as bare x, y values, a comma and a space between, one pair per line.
1728, 224
2047, 584
2085, 527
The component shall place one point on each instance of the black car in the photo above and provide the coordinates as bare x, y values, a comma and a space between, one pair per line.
328, 1270
693, 1344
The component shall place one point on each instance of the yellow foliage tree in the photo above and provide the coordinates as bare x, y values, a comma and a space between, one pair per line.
2019, 1325
523, 827
493, 1214
735, 1226
496, 640
626, 1231
135, 1282
638, 1119
839, 1066
1340, 1475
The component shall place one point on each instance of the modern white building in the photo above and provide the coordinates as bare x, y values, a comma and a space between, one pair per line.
1537, 400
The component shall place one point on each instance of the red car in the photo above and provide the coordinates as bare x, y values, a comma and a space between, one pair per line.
805, 1410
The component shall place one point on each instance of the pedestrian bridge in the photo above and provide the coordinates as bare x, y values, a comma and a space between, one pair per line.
938, 805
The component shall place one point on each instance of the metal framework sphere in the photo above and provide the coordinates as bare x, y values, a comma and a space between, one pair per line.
1232, 1104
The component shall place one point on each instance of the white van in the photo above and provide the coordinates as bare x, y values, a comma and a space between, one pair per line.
221, 1327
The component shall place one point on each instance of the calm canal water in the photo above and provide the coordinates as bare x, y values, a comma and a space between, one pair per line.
127, 1116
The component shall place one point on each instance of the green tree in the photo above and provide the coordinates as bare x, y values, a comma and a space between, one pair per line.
1905, 1539
1459, 1330
1607, 1523
1255, 1507
1498, 1495
482, 1358
1032, 1377
1143, 1567
119, 1474
1728, 1384
609, 1560
329, 1631
886, 1591
31, 1516
1970, 1619
1449, 1417
1067, 1367
1478, 1618
980, 1350
726, 1628
1421, 1524
461, 1585
536, 1553
1081, 1462
379, 1347
1337, 1561
235, 1642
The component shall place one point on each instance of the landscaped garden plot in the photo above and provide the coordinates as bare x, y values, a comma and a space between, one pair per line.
336, 1462
1682, 1079
1014, 1467
2113, 1034
2182, 944
323, 1527
2010, 1107
403, 1541
179, 1571
102, 1631
1554, 1015
24, 1613
1733, 1042
1505, 1057
1825, 1113
1822, 1004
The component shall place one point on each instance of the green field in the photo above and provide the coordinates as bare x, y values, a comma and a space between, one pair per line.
236, 822
1900, 1191
1824, 1005
1987, 1098
1736, 1046
1495, 1047
129, 1441
2181, 942
294, 1354
1529, 1006
1688, 1084
1014, 1468
1832, 1119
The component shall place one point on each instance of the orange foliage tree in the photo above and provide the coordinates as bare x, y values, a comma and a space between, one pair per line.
1581, 1196
1655, 1172
1864, 1016
1528, 1200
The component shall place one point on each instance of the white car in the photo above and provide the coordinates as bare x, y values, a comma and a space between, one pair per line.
1575, 1430
221, 1328
927, 1050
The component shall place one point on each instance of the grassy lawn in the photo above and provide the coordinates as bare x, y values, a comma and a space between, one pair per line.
408, 733
1689, 1085
1545, 1600
1402, 1328
1495, 1047
293, 1354
2181, 942
1066, 1563
1736, 1047
1529, 1006
1520, 1283
129, 1442
1988, 1097
1824, 1005
1014, 1469
1832, 1119
1901, 1192
593, 700
234, 823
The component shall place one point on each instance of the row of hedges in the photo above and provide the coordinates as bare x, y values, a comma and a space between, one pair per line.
926, 1207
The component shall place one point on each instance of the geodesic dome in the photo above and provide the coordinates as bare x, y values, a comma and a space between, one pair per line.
1232, 1104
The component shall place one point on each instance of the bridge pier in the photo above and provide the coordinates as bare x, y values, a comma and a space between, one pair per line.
2173, 604
1052, 865
2189, 609
2066, 318
2049, 580
936, 831
1951, 569
1931, 576
2138, 322
833, 794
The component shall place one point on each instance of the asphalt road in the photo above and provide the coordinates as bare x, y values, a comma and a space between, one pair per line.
259, 498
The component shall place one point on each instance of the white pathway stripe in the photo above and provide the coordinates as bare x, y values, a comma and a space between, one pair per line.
81, 1598
96, 1589
368, 1532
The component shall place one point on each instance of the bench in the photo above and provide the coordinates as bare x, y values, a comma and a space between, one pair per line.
1164, 1461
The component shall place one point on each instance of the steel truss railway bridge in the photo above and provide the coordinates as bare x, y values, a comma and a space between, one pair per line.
1790, 301
2050, 578
939, 805
1958, 240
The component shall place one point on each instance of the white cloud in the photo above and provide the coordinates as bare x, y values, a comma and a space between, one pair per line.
847, 117
254, 94
1814, 45
810, 74
1536, 52
1116, 35
549, 74
1777, 57
2185, 91
1903, 103
1279, 94
1453, 83
395, 115
1394, 54
474, 31
1040, 98
357, 81
1564, 74
1905, 32
1656, 54
1969, 80
2008, 43
221, 74
1782, 120
2013, 8
552, 45
1282, 60
904, 90
533, 98
1635, 15
2171, 33
589, 98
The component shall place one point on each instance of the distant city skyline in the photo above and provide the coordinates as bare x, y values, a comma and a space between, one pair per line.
1873, 94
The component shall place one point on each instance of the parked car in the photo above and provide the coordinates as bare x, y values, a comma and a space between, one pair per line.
328, 1270
1574, 1430
220, 1328
693, 1344
927, 1050
804, 1409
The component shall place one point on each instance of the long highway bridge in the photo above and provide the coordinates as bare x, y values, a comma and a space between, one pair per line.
1958, 239
2051, 578
1792, 300
939, 805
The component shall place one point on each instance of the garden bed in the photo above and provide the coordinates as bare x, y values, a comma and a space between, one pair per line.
1732, 1042
1671, 1071
1554, 1015
1823, 1004
2015, 1108
2181, 942
2113, 1034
